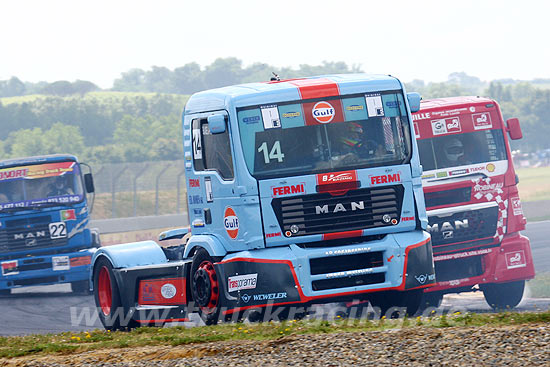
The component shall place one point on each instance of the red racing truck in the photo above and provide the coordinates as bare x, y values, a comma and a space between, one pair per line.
474, 210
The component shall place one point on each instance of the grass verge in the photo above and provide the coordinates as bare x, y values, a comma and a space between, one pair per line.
68, 343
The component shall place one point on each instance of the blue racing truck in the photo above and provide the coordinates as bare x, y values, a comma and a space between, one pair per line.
44, 234
303, 191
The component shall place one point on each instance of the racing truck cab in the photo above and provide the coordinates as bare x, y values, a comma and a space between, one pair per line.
44, 234
299, 191
474, 209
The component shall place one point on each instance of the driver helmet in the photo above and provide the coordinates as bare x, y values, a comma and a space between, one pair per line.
60, 182
454, 150
353, 133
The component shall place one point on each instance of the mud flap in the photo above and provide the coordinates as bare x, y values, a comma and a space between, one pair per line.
419, 269
258, 283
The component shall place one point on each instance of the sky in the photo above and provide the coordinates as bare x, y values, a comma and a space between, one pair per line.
99, 40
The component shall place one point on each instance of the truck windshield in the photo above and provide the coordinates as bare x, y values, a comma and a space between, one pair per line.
331, 134
40, 185
462, 149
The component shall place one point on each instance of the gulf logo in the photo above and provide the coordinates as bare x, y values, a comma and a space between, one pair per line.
323, 112
231, 222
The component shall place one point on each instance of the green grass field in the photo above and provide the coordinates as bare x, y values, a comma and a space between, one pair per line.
67, 343
534, 183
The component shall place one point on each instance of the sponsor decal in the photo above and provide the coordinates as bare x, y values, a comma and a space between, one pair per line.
61, 263
422, 278
231, 222
291, 114
483, 187
240, 282
375, 107
37, 170
323, 112
10, 268
515, 259
197, 212
491, 167
81, 260
168, 291
251, 120
441, 174
384, 179
68, 214
195, 199
407, 219
288, 233
482, 121
446, 126
194, 182
270, 115
425, 177
394, 221
421, 116
245, 297
354, 107
516, 205
349, 273
198, 223
288, 190
416, 130
269, 296
272, 235
336, 177
457, 172
348, 251
162, 291
463, 254
472, 109
393, 104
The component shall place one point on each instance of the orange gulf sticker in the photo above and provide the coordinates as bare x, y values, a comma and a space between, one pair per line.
231, 222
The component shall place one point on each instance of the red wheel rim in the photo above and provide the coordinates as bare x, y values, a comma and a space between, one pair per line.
208, 268
104, 291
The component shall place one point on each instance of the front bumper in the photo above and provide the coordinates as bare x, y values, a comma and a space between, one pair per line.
301, 275
510, 261
43, 270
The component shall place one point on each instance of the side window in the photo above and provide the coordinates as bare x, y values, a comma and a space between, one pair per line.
211, 152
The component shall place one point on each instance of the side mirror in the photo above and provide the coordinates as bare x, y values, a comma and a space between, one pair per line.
514, 129
89, 182
414, 101
216, 123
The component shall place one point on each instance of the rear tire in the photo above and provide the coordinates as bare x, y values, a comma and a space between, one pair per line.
107, 296
504, 296
205, 287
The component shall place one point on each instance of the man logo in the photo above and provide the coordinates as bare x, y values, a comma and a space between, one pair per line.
245, 297
323, 112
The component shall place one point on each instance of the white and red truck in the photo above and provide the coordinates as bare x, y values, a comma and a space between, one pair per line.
474, 210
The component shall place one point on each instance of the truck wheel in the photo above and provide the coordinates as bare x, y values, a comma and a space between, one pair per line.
503, 296
107, 296
205, 287
410, 300
82, 287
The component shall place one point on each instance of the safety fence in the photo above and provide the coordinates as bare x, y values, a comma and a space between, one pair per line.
139, 189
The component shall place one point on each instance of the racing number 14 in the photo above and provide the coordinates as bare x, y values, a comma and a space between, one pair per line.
275, 152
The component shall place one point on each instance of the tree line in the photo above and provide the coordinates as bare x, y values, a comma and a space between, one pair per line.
129, 127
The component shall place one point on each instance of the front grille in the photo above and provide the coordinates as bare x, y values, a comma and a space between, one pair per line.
464, 229
468, 267
28, 234
325, 213
447, 197
36, 281
334, 264
354, 281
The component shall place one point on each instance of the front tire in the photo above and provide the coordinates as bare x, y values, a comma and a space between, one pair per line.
81, 287
107, 296
504, 296
205, 287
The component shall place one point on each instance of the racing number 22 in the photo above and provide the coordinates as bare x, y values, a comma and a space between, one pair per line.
275, 152
58, 230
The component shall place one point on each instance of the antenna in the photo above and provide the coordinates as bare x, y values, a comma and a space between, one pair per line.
275, 77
